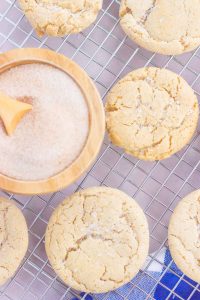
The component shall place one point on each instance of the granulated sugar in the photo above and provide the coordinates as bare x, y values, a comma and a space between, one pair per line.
52, 135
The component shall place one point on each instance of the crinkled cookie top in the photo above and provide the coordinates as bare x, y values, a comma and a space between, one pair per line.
58, 17
184, 235
13, 239
97, 239
151, 113
165, 26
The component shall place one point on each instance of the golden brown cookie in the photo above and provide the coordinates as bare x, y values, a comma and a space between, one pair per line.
184, 235
151, 113
97, 240
168, 27
58, 18
13, 239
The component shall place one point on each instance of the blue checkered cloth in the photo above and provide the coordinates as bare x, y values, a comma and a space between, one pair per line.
161, 280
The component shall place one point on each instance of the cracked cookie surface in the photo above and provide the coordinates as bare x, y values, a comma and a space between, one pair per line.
168, 27
58, 17
13, 239
184, 235
151, 113
97, 240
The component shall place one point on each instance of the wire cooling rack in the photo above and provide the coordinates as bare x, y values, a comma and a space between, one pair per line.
106, 54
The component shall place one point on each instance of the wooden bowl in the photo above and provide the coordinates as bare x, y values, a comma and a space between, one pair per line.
96, 121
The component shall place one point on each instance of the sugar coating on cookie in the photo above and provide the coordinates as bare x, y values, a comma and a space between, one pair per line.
13, 239
184, 235
168, 27
151, 113
97, 240
58, 17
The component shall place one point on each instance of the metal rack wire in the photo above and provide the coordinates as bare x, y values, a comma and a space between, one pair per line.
106, 54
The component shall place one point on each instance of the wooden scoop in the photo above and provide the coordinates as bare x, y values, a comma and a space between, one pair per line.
12, 111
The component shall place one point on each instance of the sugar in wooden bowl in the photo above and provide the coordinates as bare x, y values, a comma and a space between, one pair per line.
60, 137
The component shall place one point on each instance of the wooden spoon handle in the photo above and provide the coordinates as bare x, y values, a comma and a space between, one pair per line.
12, 111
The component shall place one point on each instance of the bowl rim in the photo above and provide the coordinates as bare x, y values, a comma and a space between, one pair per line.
96, 111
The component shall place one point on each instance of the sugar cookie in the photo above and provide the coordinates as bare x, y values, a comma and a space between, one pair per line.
97, 240
168, 27
151, 113
13, 239
184, 235
58, 18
